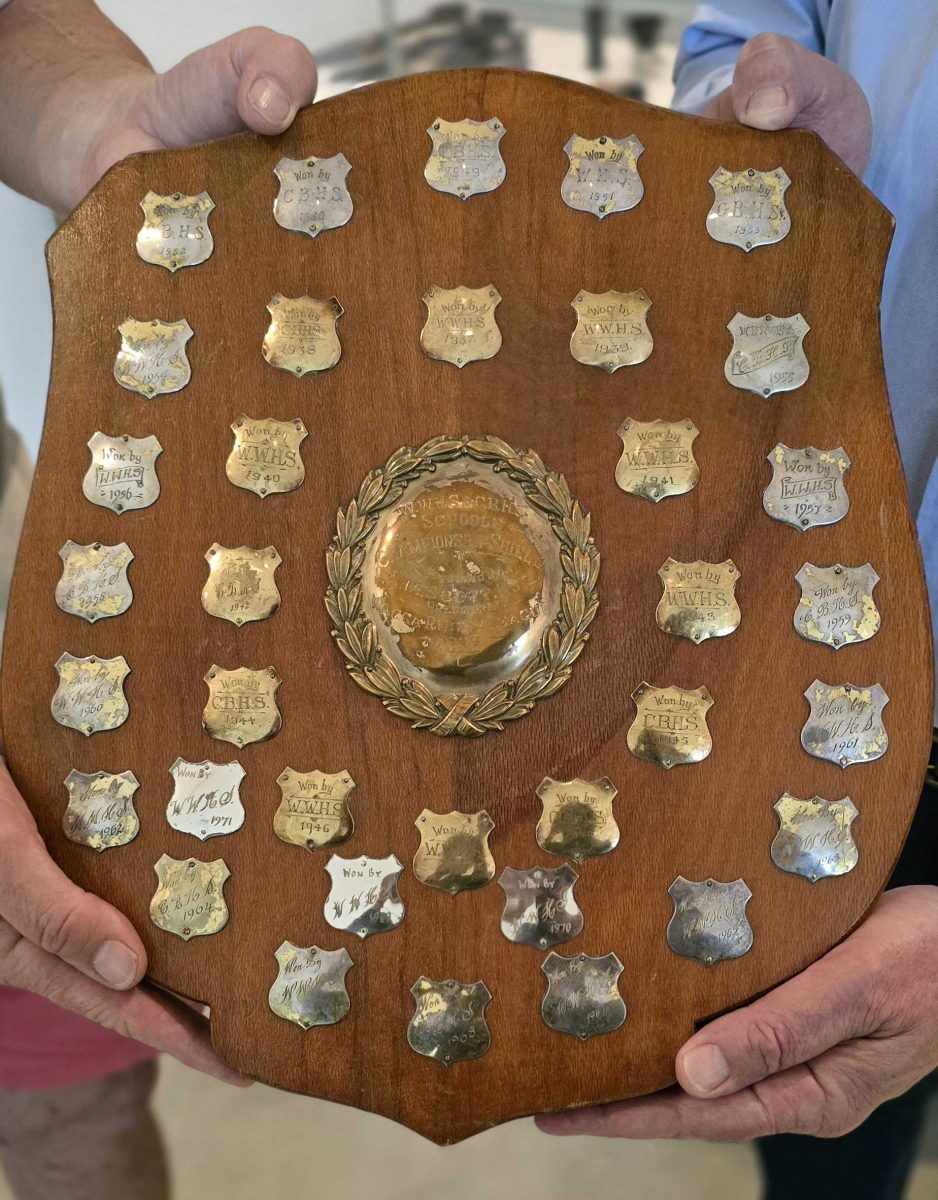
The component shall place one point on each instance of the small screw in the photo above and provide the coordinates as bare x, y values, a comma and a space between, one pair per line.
602, 141
749, 245
750, 172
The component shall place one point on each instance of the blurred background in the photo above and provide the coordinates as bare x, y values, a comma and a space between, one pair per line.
225, 1142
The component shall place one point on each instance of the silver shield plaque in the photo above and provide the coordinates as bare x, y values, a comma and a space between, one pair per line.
100, 811
122, 475
364, 898
845, 725
175, 231
90, 696
814, 837
313, 194
768, 353
807, 486
603, 174
206, 800
466, 158
540, 908
152, 357
310, 985
94, 581
611, 329
582, 996
189, 900
837, 606
749, 207
698, 599
449, 1022
709, 921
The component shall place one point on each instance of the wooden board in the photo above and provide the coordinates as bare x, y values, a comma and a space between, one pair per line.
711, 819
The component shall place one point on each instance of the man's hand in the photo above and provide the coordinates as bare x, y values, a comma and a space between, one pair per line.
780, 85
815, 1055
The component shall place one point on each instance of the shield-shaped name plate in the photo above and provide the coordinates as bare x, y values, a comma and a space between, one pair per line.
466, 159
310, 985
241, 585
768, 353
807, 486
454, 853
189, 900
837, 606
175, 231
303, 335
749, 207
242, 705
314, 810
603, 174
657, 458
709, 921
670, 726
845, 725
206, 799
814, 837
152, 357
265, 458
582, 996
90, 696
313, 194
100, 811
461, 326
611, 329
698, 599
540, 908
364, 898
94, 581
449, 1022
122, 475
577, 821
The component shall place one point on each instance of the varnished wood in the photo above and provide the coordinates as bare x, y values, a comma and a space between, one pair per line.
712, 819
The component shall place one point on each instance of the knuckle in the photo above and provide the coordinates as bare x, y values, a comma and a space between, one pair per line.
771, 1044
768, 45
56, 926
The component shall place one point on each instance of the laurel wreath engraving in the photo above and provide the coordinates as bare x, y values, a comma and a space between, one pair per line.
562, 642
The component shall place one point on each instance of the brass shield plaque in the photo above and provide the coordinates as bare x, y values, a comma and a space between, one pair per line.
603, 174
540, 908
314, 810
310, 985
657, 459
670, 726
807, 487
175, 230
189, 900
466, 158
698, 599
122, 475
242, 705
837, 606
449, 1022
303, 336
611, 329
100, 811
768, 353
749, 207
582, 996
206, 799
577, 820
152, 358
241, 585
94, 581
814, 837
845, 725
461, 326
90, 696
709, 921
364, 898
266, 457
313, 194
454, 853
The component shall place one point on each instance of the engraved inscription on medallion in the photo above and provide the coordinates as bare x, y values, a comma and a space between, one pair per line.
814, 837
611, 329
845, 725
122, 475
749, 207
152, 358
540, 908
454, 853
449, 1022
313, 194
837, 606
241, 585
364, 898
577, 820
807, 487
466, 157
768, 353
100, 811
94, 581
175, 231
314, 810
670, 726
242, 705
90, 696
303, 334
603, 174
461, 326
657, 459
266, 457
709, 921
698, 599
189, 900
206, 799
310, 985
583, 997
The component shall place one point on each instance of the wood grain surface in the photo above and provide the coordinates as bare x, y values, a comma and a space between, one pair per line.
711, 819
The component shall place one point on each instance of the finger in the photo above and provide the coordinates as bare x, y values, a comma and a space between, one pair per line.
45, 907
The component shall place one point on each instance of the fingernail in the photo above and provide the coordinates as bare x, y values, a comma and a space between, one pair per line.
268, 98
767, 107
705, 1068
116, 964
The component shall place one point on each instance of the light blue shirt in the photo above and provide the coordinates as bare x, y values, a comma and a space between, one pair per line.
890, 47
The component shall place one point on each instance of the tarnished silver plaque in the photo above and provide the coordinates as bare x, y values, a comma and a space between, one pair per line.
577, 821
603, 174
189, 900
768, 353
310, 985
814, 837
314, 810
461, 326
313, 194
175, 230
152, 359
90, 696
94, 581
611, 329
846, 723
364, 898
449, 1024
540, 908
242, 705
709, 921
100, 811
122, 475
206, 800
266, 456
837, 606
241, 585
303, 335
454, 853
670, 726
583, 997
657, 459
749, 207
466, 158
807, 487
698, 599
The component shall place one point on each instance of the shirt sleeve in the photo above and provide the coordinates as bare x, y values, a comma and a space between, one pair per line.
710, 43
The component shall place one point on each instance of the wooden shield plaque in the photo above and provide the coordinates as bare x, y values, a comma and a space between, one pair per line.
456, 687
